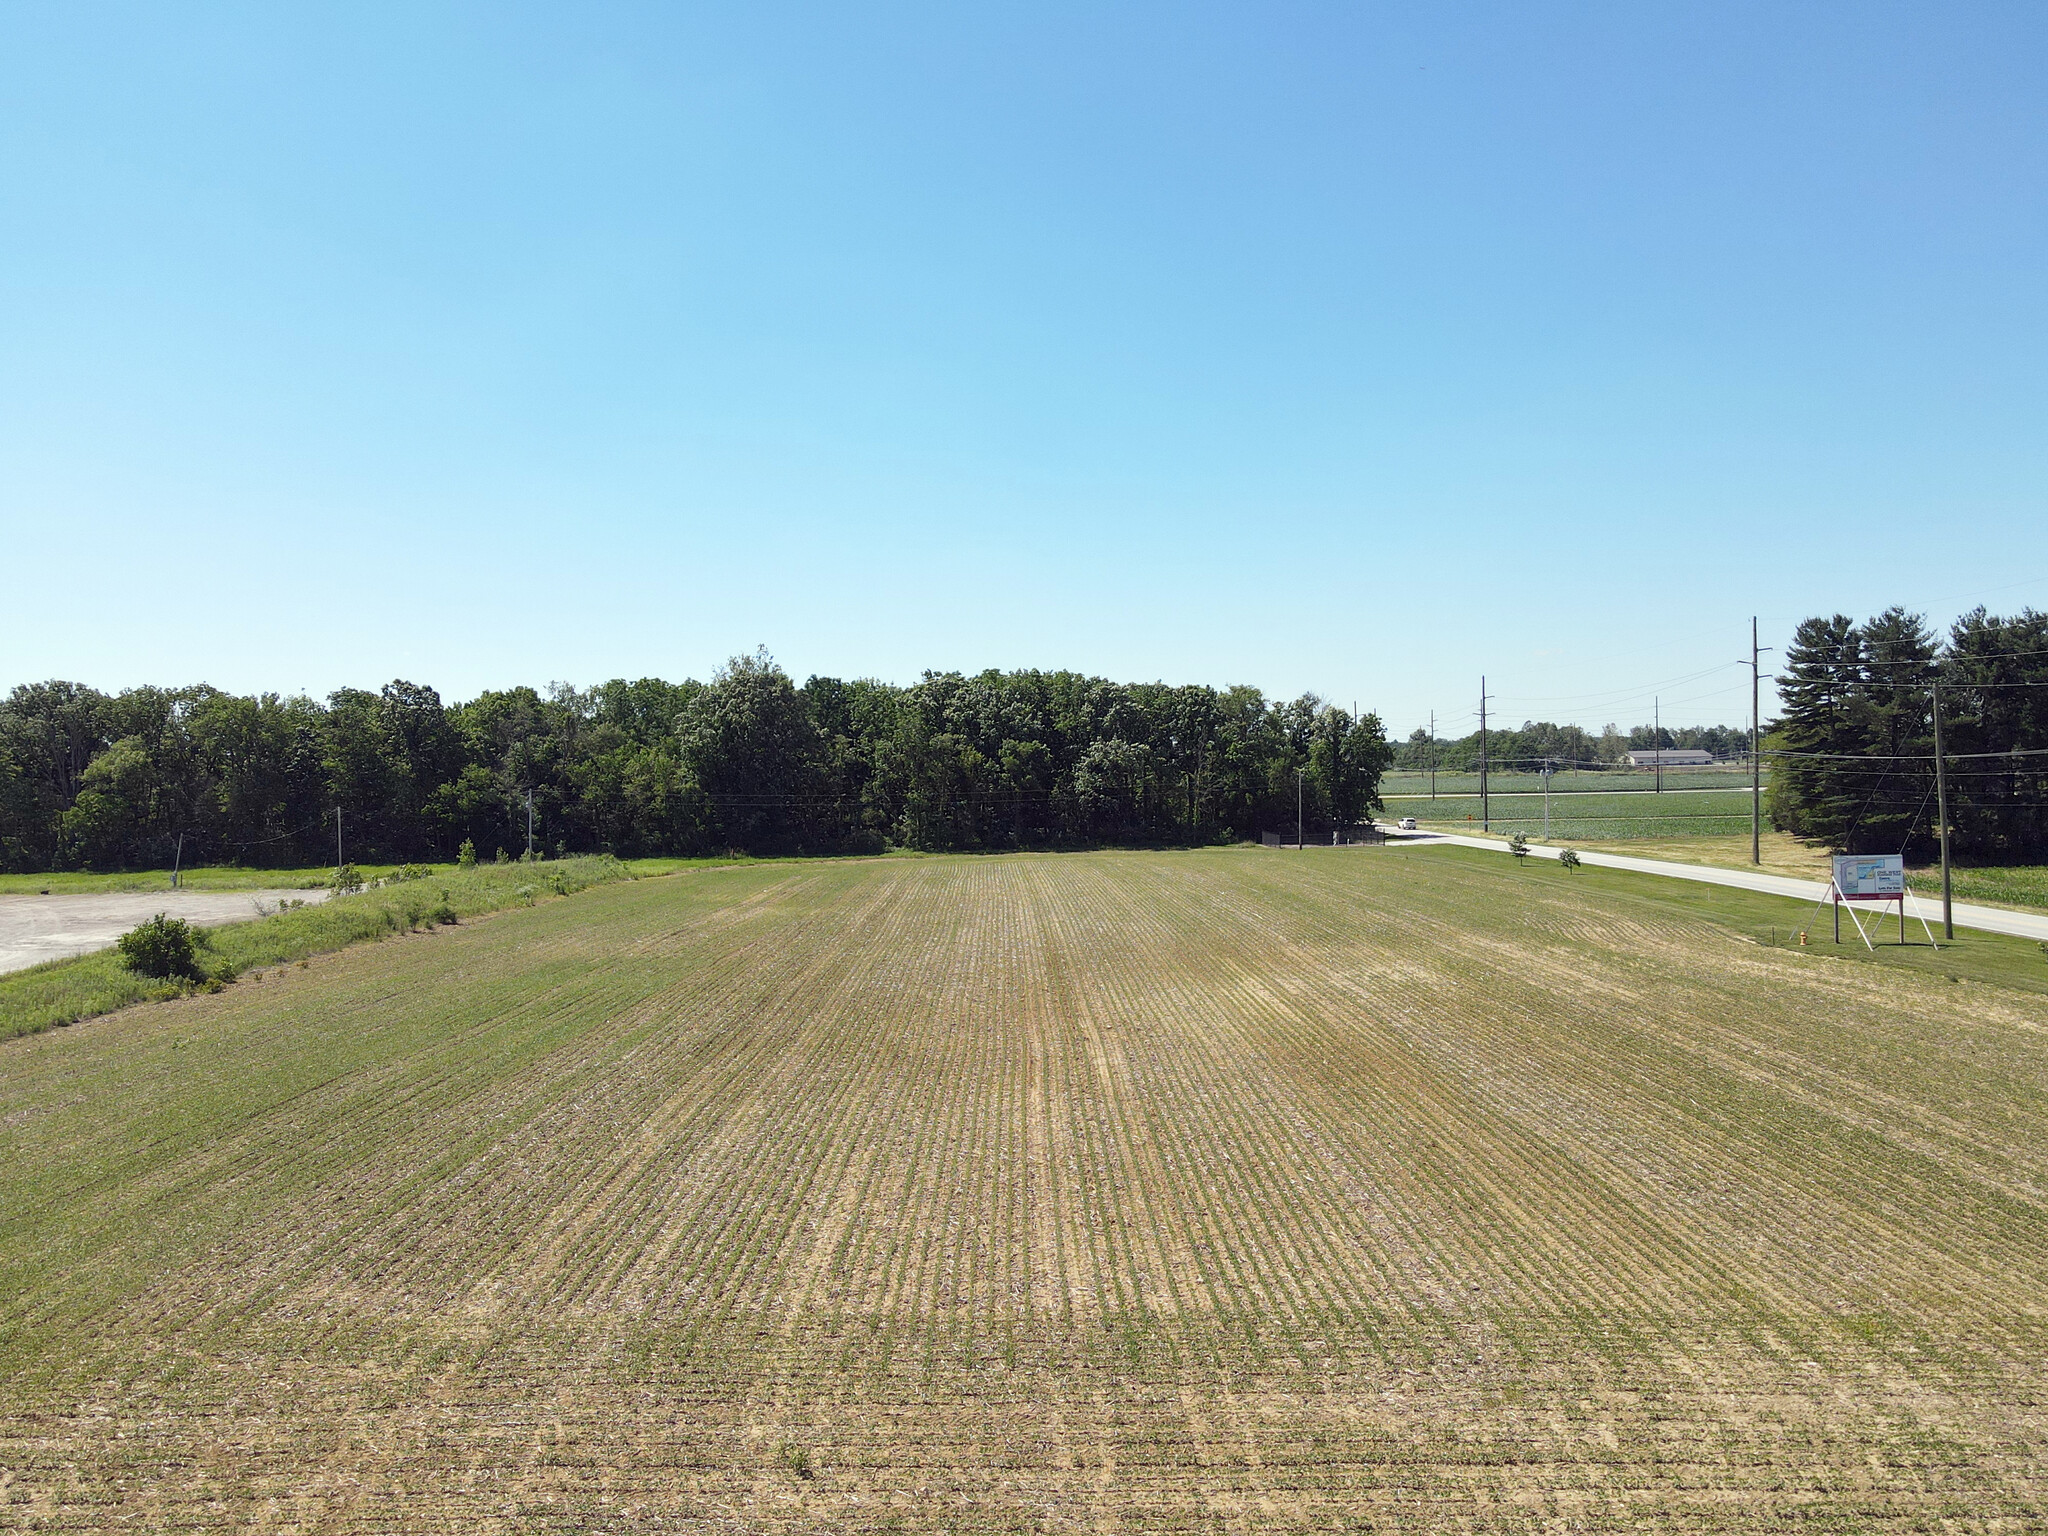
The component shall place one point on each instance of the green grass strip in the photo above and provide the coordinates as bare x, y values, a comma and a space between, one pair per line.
65, 991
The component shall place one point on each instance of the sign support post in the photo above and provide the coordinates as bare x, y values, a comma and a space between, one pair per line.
1877, 877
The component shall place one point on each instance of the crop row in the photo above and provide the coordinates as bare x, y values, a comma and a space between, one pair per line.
1218, 1191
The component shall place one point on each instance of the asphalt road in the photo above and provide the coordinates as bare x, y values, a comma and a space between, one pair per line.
38, 928
2025, 925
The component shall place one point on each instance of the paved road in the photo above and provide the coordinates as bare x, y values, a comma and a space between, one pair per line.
38, 928
2025, 925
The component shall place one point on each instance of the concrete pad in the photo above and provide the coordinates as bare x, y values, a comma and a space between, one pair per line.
38, 928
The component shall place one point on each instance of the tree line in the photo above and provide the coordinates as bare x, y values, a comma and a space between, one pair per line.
1536, 742
747, 761
1851, 755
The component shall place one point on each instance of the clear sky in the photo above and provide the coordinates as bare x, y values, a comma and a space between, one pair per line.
1354, 347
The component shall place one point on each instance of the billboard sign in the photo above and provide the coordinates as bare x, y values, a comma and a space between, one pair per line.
1871, 876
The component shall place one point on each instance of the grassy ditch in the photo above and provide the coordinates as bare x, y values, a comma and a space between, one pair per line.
65, 991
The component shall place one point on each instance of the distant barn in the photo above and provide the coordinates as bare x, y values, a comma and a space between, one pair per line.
1671, 757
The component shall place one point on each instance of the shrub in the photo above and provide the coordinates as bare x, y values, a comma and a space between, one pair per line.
1518, 845
501, 855
1569, 858
443, 912
346, 880
164, 948
413, 872
465, 856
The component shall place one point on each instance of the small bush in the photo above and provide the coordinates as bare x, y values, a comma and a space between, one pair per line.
164, 949
465, 856
1569, 858
347, 879
501, 856
413, 872
63, 991
1518, 845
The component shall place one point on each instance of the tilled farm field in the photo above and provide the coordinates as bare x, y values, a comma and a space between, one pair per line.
1223, 1191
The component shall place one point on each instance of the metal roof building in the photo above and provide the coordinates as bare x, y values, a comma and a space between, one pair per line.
1671, 757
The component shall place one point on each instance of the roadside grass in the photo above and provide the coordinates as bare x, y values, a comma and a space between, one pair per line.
65, 991
217, 878
235, 877
2023, 887
1783, 854
1776, 922
1361, 1190
1588, 817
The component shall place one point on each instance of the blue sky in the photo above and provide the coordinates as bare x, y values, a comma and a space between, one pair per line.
1356, 348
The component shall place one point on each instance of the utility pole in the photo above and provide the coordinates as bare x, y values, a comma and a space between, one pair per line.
529, 825
1432, 754
1756, 748
337, 839
1485, 821
1657, 737
1548, 766
1298, 843
1948, 915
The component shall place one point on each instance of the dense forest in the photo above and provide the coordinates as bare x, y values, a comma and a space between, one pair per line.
1851, 757
749, 760
1534, 743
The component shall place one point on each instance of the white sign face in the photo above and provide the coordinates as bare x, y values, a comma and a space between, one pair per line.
1870, 874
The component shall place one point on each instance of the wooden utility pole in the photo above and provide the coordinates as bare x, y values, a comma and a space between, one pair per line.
1485, 821
1948, 916
1756, 747
1657, 738
1298, 843
1432, 754
337, 839
529, 824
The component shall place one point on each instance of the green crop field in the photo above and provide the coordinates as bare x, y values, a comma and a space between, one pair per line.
1224, 1191
2019, 885
1588, 817
1610, 782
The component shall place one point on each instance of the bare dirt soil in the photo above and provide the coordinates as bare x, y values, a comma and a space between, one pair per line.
1125, 1192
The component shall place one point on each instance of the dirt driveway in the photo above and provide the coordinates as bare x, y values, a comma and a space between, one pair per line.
38, 928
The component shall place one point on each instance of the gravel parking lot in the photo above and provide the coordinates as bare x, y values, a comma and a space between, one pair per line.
38, 928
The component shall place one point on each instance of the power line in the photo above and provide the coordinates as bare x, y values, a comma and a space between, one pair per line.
1902, 757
